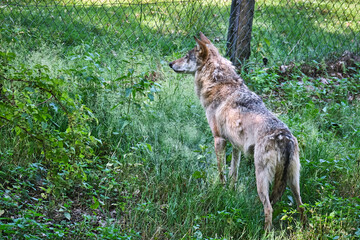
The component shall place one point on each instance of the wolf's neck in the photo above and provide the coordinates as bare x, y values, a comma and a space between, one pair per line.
216, 77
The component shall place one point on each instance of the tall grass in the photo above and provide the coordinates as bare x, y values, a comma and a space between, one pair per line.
283, 31
152, 173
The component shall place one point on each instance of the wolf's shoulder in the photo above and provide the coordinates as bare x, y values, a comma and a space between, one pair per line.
248, 100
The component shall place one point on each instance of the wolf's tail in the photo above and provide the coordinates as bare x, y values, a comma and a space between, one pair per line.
286, 148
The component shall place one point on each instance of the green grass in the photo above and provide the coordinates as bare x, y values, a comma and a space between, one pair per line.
304, 30
283, 31
164, 25
133, 157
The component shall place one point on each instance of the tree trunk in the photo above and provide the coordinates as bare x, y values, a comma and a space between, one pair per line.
239, 32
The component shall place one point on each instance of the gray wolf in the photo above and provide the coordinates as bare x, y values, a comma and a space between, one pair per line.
238, 115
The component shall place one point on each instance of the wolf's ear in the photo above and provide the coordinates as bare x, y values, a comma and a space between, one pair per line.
204, 38
204, 51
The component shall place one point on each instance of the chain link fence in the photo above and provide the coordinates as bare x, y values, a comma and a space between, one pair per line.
282, 30
287, 30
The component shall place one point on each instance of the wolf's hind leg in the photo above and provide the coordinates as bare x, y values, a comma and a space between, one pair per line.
235, 161
220, 144
262, 184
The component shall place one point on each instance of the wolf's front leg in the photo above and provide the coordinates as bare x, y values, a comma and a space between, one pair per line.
235, 161
220, 144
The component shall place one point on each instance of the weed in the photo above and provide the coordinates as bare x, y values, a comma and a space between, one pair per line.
110, 145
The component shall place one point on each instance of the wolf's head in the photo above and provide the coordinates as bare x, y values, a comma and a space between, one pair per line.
195, 58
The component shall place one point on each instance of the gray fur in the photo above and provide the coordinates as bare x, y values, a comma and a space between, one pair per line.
238, 115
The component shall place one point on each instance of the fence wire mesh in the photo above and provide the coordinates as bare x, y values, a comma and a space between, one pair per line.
282, 30
306, 29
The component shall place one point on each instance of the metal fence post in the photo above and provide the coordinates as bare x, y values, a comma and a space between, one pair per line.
239, 31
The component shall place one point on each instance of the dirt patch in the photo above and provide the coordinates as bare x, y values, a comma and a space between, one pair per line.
345, 66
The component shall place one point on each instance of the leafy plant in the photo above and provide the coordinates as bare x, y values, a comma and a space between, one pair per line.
31, 103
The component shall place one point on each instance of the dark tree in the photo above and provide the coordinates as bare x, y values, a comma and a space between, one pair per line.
239, 32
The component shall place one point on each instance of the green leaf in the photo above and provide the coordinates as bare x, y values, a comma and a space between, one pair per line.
128, 92
117, 105
120, 78
96, 203
151, 96
67, 215
17, 130
125, 123
198, 174
149, 147
267, 41
98, 140
130, 71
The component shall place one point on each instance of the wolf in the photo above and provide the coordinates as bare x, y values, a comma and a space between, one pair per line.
239, 116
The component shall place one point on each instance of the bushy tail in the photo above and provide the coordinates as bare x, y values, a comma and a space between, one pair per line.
286, 149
